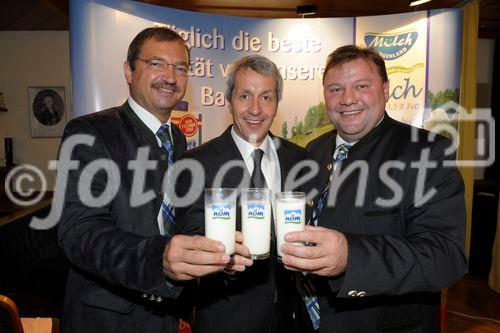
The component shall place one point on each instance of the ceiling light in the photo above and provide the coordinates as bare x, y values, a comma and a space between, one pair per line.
307, 10
418, 2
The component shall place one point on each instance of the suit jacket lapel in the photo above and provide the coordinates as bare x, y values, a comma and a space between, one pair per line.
227, 150
179, 141
283, 159
146, 138
326, 163
143, 134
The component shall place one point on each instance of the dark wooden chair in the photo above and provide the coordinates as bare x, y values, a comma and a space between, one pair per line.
11, 322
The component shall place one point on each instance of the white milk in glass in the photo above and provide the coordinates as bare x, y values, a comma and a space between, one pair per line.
256, 227
220, 224
220, 216
290, 215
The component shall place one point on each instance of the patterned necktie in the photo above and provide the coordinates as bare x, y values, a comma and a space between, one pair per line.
167, 209
258, 179
304, 284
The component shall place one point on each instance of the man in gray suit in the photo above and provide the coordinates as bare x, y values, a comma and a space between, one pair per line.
388, 217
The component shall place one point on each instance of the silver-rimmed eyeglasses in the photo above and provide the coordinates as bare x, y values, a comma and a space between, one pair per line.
159, 65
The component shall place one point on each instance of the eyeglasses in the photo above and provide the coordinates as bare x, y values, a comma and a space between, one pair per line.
159, 65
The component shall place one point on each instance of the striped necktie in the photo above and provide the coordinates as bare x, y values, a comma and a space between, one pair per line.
304, 284
167, 209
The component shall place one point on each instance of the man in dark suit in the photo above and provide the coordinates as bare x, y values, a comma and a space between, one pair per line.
126, 271
258, 299
391, 224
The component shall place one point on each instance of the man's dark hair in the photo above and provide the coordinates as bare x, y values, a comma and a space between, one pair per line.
160, 34
349, 53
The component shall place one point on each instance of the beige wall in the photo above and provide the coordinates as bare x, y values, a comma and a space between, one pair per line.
28, 59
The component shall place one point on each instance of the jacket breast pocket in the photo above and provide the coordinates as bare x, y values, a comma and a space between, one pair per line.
386, 221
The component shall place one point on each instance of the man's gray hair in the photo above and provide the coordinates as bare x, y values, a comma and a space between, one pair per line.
258, 64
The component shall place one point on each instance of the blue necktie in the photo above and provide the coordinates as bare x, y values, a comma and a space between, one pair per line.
304, 284
167, 209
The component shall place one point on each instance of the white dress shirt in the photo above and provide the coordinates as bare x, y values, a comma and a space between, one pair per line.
270, 164
149, 119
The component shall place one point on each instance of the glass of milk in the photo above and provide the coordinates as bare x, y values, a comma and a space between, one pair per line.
290, 215
220, 216
256, 221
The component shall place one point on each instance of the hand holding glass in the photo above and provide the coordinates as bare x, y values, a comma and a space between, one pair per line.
290, 215
220, 216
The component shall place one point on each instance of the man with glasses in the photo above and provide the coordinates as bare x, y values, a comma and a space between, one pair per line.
127, 270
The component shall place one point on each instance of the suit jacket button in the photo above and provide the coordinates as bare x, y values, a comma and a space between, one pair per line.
329, 167
145, 295
352, 293
310, 203
163, 157
362, 294
152, 297
159, 299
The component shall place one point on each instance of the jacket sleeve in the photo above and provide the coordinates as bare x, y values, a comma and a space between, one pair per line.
89, 235
430, 254
190, 208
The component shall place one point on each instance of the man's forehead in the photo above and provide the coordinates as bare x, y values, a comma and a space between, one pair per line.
357, 63
155, 39
356, 69
244, 72
153, 43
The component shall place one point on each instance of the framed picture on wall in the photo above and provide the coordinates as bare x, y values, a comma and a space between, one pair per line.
47, 111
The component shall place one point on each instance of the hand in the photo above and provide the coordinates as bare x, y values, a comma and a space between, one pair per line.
189, 257
327, 258
240, 259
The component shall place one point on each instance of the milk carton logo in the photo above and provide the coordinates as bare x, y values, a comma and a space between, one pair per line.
391, 46
255, 211
293, 216
221, 212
